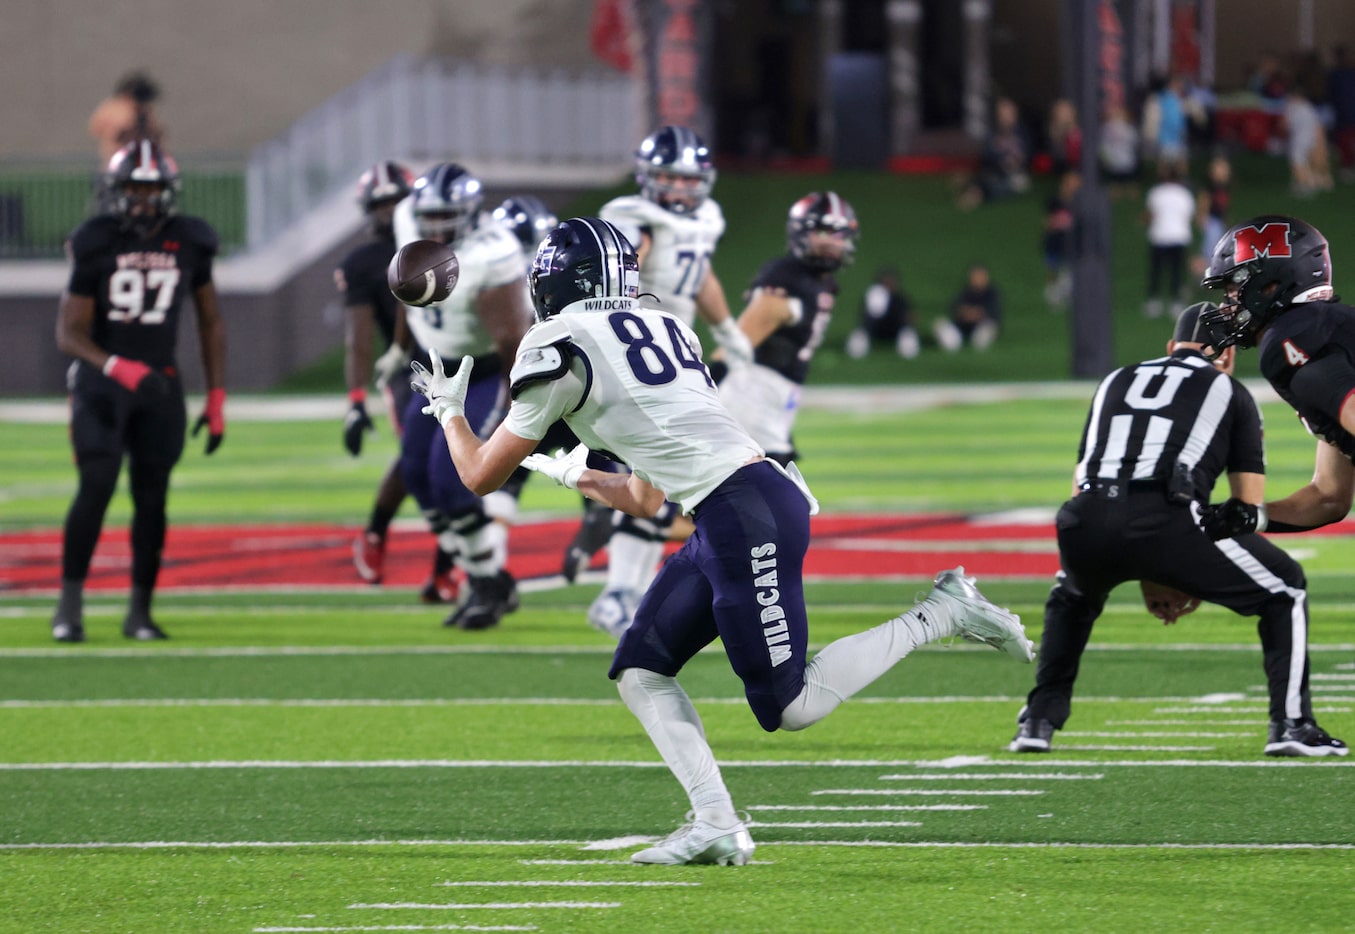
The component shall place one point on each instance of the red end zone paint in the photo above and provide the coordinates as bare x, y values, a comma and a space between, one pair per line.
316, 555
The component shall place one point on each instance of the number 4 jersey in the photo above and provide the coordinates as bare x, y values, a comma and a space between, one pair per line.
629, 381
138, 283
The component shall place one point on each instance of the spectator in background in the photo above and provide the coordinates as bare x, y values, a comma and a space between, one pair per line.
886, 318
1211, 208
1341, 97
1170, 212
127, 114
1065, 136
1057, 241
1166, 127
1119, 151
1267, 81
1306, 146
1004, 162
975, 313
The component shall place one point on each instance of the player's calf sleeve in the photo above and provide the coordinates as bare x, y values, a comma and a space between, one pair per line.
666, 712
846, 666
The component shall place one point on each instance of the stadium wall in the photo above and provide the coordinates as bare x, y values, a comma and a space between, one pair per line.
238, 73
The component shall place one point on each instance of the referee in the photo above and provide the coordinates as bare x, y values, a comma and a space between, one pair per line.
1158, 435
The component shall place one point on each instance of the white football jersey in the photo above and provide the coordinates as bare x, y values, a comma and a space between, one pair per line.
629, 381
680, 254
489, 257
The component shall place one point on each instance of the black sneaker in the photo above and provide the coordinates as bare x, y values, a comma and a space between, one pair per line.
593, 533
1302, 738
142, 629
67, 630
1033, 734
490, 600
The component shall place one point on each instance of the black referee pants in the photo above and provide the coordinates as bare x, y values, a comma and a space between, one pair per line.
1136, 535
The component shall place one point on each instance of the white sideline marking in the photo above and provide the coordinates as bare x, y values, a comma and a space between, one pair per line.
620, 843
332, 844
812, 824
1331, 677
988, 776
1151, 734
465, 906
866, 807
395, 927
724, 763
1192, 722
321, 702
992, 792
571, 883
1105, 748
342, 929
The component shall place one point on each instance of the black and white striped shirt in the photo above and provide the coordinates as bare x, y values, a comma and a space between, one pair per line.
1147, 418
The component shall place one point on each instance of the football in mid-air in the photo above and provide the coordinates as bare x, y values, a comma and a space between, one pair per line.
423, 272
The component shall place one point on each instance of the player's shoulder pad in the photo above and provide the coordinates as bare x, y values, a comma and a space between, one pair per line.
196, 231
544, 355
92, 237
633, 209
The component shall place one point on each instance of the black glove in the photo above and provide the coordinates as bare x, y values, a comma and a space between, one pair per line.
355, 423
154, 385
1232, 518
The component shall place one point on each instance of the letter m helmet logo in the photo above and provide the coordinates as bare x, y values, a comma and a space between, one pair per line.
1269, 241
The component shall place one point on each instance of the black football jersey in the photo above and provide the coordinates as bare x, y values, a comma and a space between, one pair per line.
1307, 356
361, 277
790, 348
138, 283
1147, 419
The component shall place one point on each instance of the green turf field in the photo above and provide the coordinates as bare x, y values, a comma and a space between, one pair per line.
337, 761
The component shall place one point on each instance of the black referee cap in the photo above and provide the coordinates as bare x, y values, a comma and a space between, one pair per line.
1188, 326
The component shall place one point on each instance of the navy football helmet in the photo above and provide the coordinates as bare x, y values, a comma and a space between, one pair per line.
822, 212
141, 185
585, 257
526, 218
674, 169
447, 202
1272, 262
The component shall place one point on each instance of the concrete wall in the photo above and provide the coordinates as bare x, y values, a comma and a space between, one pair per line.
237, 72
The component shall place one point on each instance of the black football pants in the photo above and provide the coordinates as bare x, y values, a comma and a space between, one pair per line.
1139, 535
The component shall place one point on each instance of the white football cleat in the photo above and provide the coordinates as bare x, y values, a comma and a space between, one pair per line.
977, 620
699, 842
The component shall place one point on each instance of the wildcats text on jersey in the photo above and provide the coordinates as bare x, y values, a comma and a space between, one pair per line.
773, 617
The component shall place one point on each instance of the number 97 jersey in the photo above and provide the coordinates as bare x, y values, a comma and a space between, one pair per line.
138, 282
680, 250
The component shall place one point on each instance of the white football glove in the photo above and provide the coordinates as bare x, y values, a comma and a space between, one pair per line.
564, 469
389, 365
446, 394
738, 348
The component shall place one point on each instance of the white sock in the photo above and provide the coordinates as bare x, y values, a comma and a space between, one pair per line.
852, 662
666, 712
631, 562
